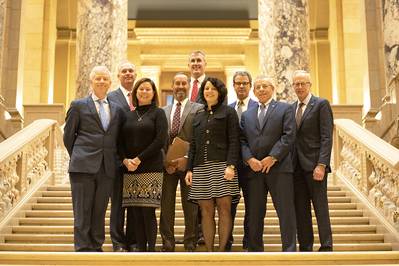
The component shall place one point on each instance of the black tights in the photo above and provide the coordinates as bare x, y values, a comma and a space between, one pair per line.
208, 221
145, 228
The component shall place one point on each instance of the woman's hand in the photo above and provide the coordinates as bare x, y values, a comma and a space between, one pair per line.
228, 173
131, 167
189, 178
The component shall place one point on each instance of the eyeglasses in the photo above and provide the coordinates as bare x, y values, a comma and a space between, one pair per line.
300, 84
241, 83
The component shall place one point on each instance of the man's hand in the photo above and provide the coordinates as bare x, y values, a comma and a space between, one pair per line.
181, 163
189, 178
267, 163
319, 172
255, 164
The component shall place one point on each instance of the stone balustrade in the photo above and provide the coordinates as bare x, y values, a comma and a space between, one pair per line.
33, 155
370, 164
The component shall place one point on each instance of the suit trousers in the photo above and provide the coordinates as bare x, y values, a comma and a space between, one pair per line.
308, 190
117, 219
280, 186
90, 196
168, 203
243, 172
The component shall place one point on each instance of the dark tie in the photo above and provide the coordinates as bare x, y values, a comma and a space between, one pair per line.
176, 122
240, 104
104, 117
262, 114
194, 91
298, 116
129, 95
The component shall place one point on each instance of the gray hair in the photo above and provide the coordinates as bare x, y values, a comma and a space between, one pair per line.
99, 69
125, 63
301, 72
266, 78
242, 73
197, 52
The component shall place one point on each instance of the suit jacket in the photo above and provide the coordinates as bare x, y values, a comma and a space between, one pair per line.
314, 134
186, 120
118, 97
274, 138
251, 104
88, 144
219, 132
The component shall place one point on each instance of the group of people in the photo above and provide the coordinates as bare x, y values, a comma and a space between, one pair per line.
117, 144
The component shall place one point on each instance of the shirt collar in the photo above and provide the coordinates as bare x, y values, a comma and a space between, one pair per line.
183, 103
124, 91
95, 98
267, 103
245, 101
200, 79
307, 99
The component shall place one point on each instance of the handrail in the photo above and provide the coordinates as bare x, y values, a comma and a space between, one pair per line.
32, 156
370, 164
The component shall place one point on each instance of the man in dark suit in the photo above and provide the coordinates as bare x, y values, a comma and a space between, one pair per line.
242, 82
196, 65
312, 153
122, 96
268, 134
90, 136
180, 116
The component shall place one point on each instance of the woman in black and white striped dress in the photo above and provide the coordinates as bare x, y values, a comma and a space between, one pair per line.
214, 152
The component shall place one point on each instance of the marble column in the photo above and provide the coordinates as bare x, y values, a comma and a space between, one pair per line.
101, 39
3, 6
391, 44
284, 42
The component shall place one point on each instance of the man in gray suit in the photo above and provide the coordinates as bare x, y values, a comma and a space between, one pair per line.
122, 96
268, 133
90, 136
312, 153
180, 115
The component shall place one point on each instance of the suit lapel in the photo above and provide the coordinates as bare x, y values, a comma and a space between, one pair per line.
112, 110
186, 111
309, 107
122, 99
270, 110
168, 111
93, 110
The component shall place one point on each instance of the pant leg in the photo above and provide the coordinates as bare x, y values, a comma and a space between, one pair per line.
243, 182
167, 217
130, 231
303, 211
257, 192
103, 190
190, 211
320, 205
150, 227
281, 188
117, 219
139, 226
83, 189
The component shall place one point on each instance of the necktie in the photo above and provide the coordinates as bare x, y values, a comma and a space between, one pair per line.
129, 95
104, 117
194, 92
176, 121
262, 114
240, 104
298, 116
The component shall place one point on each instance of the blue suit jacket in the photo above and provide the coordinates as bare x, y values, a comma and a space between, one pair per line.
118, 97
88, 144
314, 134
274, 138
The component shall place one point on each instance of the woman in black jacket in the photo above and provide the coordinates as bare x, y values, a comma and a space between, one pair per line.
143, 136
214, 151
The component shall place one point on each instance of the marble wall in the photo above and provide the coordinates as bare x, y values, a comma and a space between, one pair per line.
284, 42
101, 39
391, 38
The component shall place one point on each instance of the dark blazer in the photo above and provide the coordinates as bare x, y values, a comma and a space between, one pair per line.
314, 134
275, 137
219, 131
186, 120
118, 97
88, 144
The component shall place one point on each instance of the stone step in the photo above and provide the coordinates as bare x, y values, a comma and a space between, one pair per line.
236, 247
180, 221
179, 213
336, 229
268, 238
68, 206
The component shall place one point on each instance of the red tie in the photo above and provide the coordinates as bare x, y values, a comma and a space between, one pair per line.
194, 92
176, 121
129, 95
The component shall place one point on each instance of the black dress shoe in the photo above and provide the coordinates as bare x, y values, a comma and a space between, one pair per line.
201, 241
325, 249
189, 248
119, 249
228, 246
133, 248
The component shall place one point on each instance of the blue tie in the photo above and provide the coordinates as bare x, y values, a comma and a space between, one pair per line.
262, 114
103, 114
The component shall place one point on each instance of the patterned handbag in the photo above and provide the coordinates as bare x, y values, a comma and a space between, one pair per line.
142, 190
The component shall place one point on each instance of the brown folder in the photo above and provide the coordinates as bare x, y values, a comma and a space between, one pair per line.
177, 149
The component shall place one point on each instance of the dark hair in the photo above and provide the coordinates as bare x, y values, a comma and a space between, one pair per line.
218, 84
137, 85
242, 73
